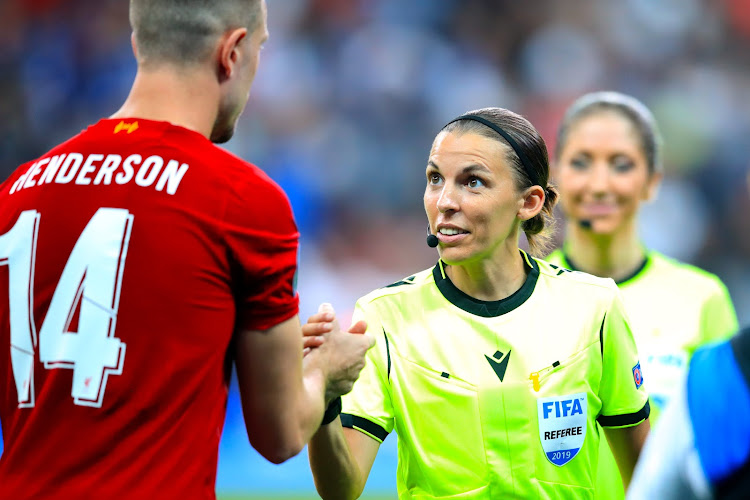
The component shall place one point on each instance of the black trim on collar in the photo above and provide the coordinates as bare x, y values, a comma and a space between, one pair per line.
483, 308
571, 265
626, 419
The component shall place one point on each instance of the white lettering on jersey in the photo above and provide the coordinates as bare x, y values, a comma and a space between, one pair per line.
88, 167
96, 169
49, 173
35, 170
562, 426
172, 176
69, 168
19, 182
108, 167
124, 177
150, 168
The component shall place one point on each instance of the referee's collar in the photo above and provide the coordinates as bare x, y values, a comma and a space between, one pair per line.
484, 308
569, 264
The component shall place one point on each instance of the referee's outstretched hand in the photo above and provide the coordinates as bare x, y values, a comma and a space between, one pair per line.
343, 352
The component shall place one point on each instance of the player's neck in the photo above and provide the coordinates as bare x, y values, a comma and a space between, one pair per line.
615, 255
188, 98
491, 279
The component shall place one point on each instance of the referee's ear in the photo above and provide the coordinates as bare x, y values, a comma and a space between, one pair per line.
531, 203
651, 189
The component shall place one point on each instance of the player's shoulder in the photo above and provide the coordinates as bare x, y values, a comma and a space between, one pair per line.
683, 275
240, 172
64, 146
149, 137
410, 285
235, 178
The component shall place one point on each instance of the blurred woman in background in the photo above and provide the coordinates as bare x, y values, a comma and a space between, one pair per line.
607, 164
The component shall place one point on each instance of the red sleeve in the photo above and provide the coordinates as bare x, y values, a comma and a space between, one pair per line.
262, 238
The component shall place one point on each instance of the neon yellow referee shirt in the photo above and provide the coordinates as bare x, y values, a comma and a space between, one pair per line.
674, 308
497, 399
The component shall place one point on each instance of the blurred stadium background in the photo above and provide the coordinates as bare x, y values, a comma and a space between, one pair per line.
349, 96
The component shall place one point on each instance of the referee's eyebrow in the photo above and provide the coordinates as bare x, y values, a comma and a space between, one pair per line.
467, 169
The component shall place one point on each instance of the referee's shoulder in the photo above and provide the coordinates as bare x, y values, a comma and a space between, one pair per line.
405, 286
556, 275
684, 275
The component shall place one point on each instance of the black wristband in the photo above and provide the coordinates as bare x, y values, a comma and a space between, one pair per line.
332, 411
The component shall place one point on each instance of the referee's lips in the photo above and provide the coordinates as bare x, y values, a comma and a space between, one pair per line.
449, 233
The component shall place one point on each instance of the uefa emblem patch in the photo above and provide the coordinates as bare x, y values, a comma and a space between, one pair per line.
562, 426
637, 375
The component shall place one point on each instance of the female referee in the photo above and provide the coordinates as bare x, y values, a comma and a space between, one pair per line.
493, 367
607, 164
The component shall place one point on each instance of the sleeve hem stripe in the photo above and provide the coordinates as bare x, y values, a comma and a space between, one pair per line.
626, 419
362, 424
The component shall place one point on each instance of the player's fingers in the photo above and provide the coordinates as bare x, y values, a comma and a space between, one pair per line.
321, 317
358, 327
326, 307
316, 328
310, 342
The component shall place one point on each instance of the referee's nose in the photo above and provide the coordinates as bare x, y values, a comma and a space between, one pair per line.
449, 198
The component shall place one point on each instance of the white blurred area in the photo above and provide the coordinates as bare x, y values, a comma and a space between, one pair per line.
350, 94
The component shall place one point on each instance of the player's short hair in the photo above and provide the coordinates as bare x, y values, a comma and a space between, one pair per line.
624, 105
184, 31
539, 228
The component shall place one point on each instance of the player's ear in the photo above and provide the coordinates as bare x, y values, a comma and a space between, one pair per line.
229, 51
133, 45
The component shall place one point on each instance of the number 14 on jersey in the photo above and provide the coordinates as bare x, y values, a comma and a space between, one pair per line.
89, 284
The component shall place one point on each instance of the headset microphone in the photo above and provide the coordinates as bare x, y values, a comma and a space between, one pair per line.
584, 224
432, 240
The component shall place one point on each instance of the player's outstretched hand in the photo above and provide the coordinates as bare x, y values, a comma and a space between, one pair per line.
316, 327
342, 354
320, 323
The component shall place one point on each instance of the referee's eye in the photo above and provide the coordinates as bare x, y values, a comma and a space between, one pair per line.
433, 179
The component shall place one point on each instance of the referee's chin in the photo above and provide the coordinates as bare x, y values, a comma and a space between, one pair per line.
451, 259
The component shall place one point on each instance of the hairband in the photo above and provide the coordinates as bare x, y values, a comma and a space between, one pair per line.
524, 160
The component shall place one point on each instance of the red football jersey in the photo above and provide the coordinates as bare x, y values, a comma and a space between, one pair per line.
128, 256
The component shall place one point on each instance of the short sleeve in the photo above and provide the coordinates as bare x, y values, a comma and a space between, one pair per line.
624, 399
368, 407
718, 317
262, 239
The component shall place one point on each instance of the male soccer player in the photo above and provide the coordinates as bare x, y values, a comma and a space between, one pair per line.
137, 262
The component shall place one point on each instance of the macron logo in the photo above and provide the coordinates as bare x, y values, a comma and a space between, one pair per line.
499, 364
